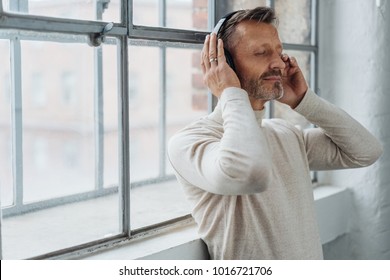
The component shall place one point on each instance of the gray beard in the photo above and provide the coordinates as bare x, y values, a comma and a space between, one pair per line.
259, 90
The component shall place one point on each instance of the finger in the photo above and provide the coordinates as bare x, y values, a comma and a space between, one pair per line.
203, 66
286, 59
289, 60
293, 61
220, 51
213, 49
205, 63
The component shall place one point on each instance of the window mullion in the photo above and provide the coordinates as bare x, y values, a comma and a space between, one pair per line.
163, 92
19, 5
271, 3
162, 7
17, 121
98, 108
314, 55
270, 105
124, 120
211, 99
123, 135
314, 25
128, 15
58, 25
163, 110
167, 34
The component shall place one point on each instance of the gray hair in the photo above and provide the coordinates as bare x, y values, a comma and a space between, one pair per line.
259, 14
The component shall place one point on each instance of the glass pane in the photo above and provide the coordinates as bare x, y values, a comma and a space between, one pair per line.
61, 197
106, 10
283, 111
181, 14
6, 181
144, 112
110, 111
156, 195
58, 119
226, 6
294, 21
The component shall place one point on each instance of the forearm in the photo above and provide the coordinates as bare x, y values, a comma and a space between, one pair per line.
243, 148
349, 144
230, 158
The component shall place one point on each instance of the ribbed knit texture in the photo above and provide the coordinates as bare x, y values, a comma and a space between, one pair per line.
248, 178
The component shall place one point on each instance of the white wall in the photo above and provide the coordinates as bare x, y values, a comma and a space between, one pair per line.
354, 74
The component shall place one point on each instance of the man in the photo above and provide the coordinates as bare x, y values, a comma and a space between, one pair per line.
248, 178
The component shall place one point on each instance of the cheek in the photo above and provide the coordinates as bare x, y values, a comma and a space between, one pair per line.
249, 67
249, 71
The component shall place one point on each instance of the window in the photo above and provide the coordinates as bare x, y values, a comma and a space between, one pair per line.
88, 104
296, 26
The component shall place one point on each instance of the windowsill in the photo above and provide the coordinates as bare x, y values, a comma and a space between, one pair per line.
332, 205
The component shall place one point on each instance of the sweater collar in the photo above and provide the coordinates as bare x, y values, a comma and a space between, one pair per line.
259, 114
217, 114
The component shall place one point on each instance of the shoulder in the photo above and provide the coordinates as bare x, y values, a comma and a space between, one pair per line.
201, 131
205, 126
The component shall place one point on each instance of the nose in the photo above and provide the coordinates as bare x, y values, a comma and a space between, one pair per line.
277, 62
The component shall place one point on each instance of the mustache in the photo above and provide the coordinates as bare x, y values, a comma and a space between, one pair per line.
271, 73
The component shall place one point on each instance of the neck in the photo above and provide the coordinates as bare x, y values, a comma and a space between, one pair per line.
257, 104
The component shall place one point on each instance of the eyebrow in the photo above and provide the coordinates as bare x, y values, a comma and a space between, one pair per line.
267, 45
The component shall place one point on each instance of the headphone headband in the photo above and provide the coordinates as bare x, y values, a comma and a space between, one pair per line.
217, 28
221, 22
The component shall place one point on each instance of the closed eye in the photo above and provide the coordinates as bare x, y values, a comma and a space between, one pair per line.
260, 53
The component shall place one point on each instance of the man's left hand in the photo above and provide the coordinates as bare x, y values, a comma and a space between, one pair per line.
294, 83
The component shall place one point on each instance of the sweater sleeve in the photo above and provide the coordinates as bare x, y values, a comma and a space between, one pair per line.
228, 160
339, 141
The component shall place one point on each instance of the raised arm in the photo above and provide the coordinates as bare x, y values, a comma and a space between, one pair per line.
225, 153
339, 141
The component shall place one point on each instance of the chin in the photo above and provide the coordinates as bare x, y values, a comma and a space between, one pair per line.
265, 91
281, 94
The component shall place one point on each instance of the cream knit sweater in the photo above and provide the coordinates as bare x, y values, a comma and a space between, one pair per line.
248, 180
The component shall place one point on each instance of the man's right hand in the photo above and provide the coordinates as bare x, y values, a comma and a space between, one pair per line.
217, 74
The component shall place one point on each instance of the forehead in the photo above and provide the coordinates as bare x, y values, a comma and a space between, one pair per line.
253, 32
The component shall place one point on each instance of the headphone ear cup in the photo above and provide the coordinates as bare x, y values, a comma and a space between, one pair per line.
229, 59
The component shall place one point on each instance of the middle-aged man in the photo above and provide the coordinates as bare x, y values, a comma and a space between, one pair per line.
248, 178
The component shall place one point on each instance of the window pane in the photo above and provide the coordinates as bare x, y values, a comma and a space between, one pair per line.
224, 7
294, 17
58, 137
61, 196
110, 111
294, 21
305, 60
156, 195
144, 112
6, 181
106, 10
181, 14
